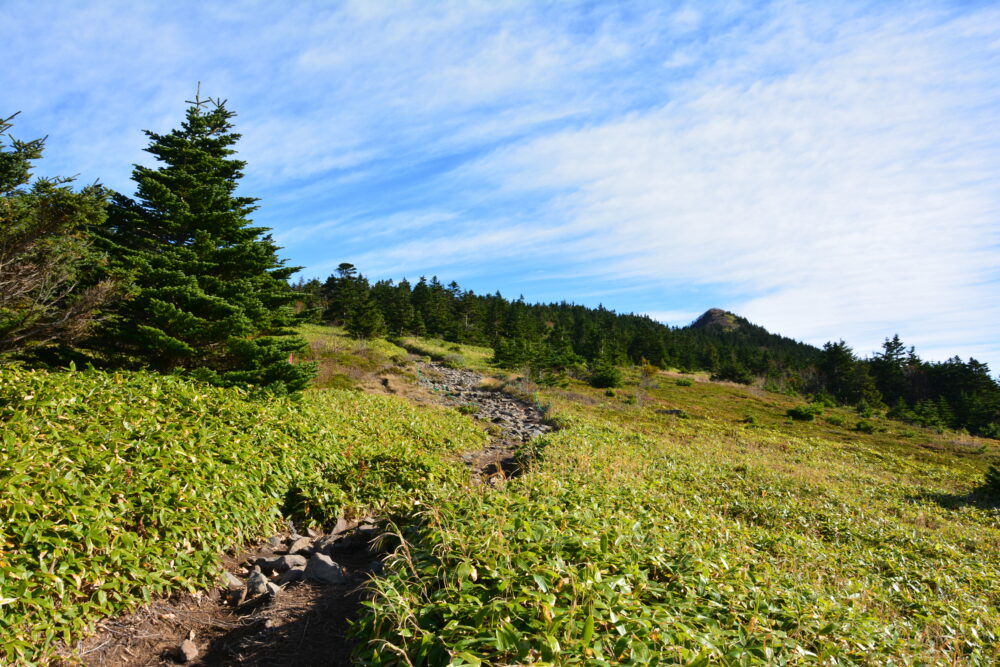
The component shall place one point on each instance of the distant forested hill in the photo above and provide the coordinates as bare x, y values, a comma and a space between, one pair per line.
554, 339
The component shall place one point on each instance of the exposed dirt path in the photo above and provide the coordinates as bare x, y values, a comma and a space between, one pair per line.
301, 622
298, 621
513, 421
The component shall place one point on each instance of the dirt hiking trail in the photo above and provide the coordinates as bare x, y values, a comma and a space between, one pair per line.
291, 599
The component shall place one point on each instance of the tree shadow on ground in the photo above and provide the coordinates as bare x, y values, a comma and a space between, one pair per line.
312, 631
985, 497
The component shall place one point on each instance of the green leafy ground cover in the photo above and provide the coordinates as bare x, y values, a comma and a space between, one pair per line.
118, 487
642, 538
344, 362
458, 355
667, 522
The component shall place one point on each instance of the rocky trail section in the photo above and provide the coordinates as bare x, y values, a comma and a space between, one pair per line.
513, 421
289, 600
286, 602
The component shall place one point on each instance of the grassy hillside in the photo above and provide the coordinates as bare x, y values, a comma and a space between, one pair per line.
672, 521
641, 537
118, 487
474, 357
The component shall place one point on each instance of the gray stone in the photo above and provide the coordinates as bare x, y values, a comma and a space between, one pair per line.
300, 545
343, 525
324, 543
344, 542
230, 580
321, 568
291, 576
287, 562
276, 542
187, 651
256, 584
273, 589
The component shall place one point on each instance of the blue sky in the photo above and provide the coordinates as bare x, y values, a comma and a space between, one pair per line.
828, 170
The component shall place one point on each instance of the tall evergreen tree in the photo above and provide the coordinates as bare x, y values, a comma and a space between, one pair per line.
342, 292
400, 315
210, 297
837, 364
364, 319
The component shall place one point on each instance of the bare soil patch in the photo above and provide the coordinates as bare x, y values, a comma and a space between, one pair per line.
305, 623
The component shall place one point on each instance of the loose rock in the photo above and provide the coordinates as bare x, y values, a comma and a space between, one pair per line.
510, 421
230, 580
343, 525
300, 546
289, 561
324, 543
187, 651
291, 576
321, 568
256, 584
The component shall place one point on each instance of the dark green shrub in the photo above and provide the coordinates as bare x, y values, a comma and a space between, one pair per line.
835, 420
684, 382
992, 481
733, 373
990, 431
865, 426
804, 413
750, 419
824, 399
605, 375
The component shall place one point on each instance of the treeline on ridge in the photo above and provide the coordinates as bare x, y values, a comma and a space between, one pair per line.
177, 279
551, 341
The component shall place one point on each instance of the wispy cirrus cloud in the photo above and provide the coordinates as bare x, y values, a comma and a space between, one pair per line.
826, 170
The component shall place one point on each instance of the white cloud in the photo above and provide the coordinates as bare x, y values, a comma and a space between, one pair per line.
825, 170
850, 195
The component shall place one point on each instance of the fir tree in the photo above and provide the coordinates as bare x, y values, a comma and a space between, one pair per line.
52, 279
211, 297
342, 292
400, 313
364, 319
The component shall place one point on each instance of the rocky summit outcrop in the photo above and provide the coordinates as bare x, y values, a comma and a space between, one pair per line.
716, 318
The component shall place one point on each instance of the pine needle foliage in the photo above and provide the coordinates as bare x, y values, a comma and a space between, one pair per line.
210, 295
51, 280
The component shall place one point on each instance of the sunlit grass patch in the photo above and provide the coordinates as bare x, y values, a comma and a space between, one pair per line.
641, 537
459, 355
118, 487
